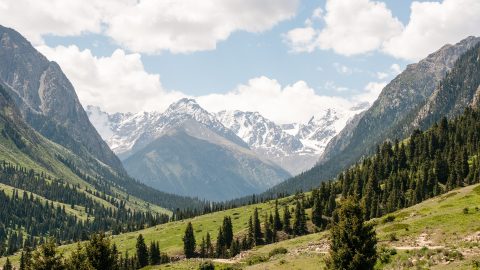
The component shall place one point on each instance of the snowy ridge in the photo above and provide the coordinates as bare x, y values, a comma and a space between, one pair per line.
295, 147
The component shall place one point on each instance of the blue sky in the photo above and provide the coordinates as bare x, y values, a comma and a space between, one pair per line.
247, 55
288, 59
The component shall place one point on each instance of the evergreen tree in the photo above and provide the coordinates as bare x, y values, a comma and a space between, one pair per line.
227, 231
189, 241
276, 218
26, 259
257, 231
286, 220
250, 240
142, 251
300, 222
46, 257
268, 231
353, 242
100, 254
209, 246
235, 248
203, 248
78, 260
7, 265
317, 212
220, 245
154, 253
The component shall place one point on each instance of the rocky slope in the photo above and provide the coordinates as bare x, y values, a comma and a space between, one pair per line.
295, 147
406, 100
47, 99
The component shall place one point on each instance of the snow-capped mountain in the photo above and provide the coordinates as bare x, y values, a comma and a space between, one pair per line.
186, 150
125, 132
295, 147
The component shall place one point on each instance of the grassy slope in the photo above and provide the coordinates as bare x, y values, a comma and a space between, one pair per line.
440, 223
45, 150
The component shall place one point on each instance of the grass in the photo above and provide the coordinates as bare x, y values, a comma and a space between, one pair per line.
442, 219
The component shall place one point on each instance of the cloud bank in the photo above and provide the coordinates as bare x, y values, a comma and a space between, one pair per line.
120, 83
352, 27
147, 26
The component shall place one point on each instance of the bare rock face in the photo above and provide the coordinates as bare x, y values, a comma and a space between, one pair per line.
397, 101
442, 84
47, 100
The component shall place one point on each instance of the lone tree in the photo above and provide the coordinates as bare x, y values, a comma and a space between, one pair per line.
189, 242
353, 243
142, 251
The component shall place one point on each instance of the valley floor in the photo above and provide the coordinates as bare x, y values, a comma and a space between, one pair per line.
436, 234
440, 233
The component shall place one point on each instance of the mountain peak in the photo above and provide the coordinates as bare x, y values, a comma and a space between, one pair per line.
186, 106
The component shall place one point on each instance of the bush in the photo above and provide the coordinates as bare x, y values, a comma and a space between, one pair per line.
206, 266
393, 237
388, 219
465, 210
256, 259
276, 251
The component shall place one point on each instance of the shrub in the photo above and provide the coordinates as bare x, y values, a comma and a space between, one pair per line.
465, 210
388, 219
256, 259
276, 251
208, 265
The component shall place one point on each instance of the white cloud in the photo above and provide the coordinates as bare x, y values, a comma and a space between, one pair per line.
301, 39
370, 93
351, 27
183, 26
382, 75
433, 25
342, 69
64, 18
361, 26
395, 69
147, 26
118, 83
283, 104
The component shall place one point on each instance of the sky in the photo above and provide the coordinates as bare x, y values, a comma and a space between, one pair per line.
287, 59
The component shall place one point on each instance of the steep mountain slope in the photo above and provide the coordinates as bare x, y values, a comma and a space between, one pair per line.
186, 150
389, 117
459, 89
47, 99
61, 140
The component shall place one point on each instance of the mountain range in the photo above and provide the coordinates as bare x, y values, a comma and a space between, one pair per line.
189, 151
441, 85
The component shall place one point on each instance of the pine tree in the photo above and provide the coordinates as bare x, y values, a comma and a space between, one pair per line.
276, 218
142, 251
203, 248
353, 242
227, 231
209, 246
189, 241
220, 245
268, 231
286, 220
317, 212
257, 231
78, 260
235, 248
250, 240
46, 257
154, 253
7, 265
299, 223
100, 254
